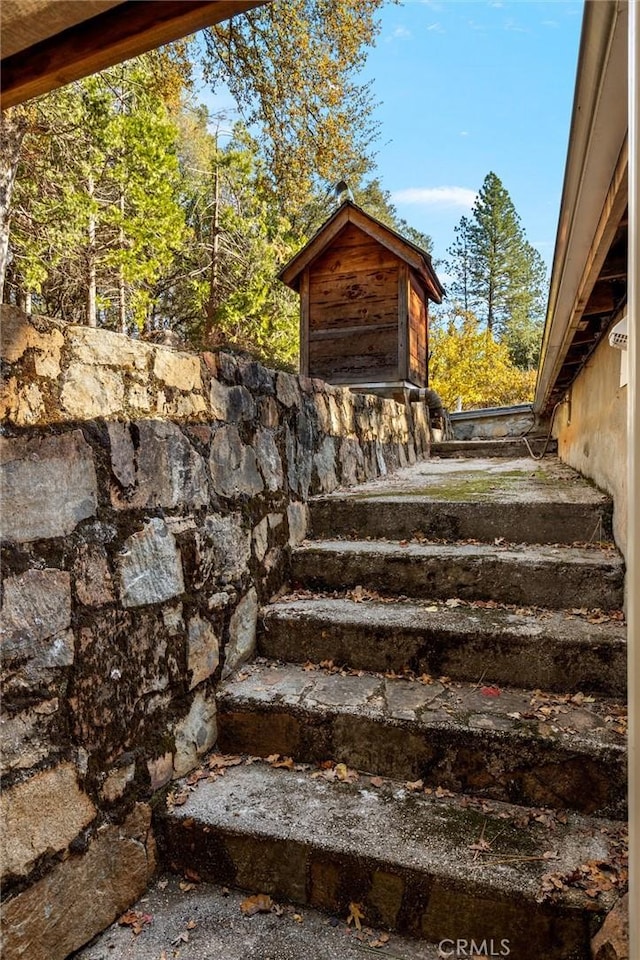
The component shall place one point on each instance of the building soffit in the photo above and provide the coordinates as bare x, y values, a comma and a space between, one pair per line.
588, 278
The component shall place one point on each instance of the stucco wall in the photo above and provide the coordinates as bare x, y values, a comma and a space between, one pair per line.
150, 499
592, 434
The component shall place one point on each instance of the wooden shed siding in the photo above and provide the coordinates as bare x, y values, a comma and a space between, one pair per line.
353, 250
304, 323
417, 335
402, 314
353, 283
361, 297
360, 371
362, 311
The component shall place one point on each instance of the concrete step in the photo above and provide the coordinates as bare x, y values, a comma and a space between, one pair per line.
518, 501
499, 743
515, 447
406, 516
211, 918
551, 650
556, 577
434, 867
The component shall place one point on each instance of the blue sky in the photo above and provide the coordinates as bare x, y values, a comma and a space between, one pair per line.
468, 87
465, 87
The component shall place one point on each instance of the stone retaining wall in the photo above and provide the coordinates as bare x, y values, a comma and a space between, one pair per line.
494, 423
149, 502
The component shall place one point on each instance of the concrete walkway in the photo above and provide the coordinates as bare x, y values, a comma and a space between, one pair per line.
485, 479
205, 922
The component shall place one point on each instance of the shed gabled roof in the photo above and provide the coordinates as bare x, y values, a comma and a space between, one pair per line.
348, 212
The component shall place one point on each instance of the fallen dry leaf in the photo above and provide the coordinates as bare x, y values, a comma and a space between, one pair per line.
219, 760
258, 903
414, 785
441, 792
286, 762
344, 774
192, 875
381, 940
490, 691
136, 920
185, 887
178, 799
376, 781
355, 915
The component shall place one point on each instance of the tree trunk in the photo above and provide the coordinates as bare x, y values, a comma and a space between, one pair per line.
212, 305
122, 296
92, 317
13, 126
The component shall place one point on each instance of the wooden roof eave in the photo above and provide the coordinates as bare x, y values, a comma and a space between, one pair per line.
348, 212
596, 143
76, 45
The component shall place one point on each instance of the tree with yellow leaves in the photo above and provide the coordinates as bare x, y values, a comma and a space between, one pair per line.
466, 362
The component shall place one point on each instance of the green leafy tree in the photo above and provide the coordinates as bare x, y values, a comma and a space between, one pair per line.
223, 287
96, 215
468, 363
291, 65
498, 274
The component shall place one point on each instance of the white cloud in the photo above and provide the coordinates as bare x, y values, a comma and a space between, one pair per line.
399, 33
436, 196
463, 133
435, 28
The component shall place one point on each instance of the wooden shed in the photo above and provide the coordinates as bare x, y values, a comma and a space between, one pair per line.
364, 294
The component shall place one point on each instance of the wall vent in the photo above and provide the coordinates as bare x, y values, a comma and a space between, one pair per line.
618, 336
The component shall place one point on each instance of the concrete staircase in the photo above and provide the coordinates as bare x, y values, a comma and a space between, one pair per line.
439, 709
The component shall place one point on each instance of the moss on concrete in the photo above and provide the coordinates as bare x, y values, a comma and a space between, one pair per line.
467, 486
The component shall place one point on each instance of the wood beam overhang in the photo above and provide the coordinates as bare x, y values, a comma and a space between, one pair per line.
602, 287
125, 30
597, 142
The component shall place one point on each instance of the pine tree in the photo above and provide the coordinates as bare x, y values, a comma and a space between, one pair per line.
460, 286
96, 217
497, 274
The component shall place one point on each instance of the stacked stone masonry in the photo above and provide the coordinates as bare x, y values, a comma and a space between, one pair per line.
150, 499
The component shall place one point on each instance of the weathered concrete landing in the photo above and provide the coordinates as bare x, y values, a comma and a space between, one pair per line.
410, 859
210, 918
487, 479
